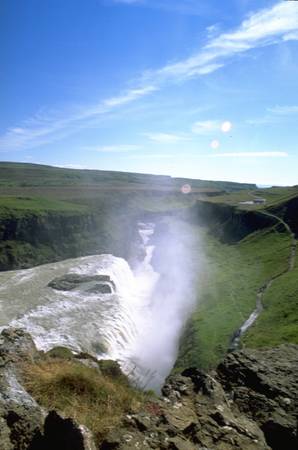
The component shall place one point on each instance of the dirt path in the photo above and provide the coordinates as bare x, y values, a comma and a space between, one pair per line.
235, 341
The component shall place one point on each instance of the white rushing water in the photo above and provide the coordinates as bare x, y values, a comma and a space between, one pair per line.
134, 325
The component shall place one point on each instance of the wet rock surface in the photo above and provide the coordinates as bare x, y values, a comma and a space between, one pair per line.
94, 284
249, 403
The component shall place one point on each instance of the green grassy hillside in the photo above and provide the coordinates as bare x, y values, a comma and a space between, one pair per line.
47, 214
278, 322
232, 276
227, 289
32, 175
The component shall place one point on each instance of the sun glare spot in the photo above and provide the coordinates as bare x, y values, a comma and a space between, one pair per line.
186, 189
226, 126
214, 144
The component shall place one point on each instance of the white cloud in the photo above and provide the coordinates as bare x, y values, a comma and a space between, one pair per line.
265, 120
293, 36
284, 110
152, 156
250, 155
166, 138
206, 126
268, 26
40, 130
114, 148
275, 114
130, 96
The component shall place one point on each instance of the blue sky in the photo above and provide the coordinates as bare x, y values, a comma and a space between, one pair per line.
201, 89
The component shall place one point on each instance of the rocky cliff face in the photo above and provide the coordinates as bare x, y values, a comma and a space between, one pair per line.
289, 212
33, 239
249, 403
227, 222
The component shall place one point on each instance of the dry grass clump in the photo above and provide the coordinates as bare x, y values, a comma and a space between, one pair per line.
80, 392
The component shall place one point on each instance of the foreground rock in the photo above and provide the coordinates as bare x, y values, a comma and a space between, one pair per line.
264, 386
20, 415
24, 425
194, 413
249, 403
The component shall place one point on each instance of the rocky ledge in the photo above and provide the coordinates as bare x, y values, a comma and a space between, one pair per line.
248, 403
94, 284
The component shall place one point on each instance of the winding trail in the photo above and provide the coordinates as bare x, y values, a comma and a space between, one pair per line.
235, 341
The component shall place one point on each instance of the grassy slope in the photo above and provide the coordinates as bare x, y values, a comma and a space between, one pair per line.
20, 206
278, 322
273, 196
227, 293
26, 175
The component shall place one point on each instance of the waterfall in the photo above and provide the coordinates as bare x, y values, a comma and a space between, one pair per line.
104, 325
137, 324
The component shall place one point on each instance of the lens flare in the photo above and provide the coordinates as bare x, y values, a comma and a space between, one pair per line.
214, 144
186, 189
226, 126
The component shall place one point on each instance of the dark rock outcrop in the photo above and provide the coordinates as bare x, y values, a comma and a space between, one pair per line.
32, 239
96, 284
264, 386
20, 416
288, 210
249, 403
194, 413
62, 434
24, 425
227, 222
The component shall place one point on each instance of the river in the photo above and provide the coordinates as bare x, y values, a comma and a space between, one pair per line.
114, 325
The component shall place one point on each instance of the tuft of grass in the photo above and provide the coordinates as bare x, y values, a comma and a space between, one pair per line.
81, 392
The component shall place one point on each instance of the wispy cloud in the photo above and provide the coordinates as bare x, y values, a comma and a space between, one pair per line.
166, 138
206, 127
45, 128
275, 114
152, 156
284, 110
250, 155
130, 96
266, 27
113, 148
